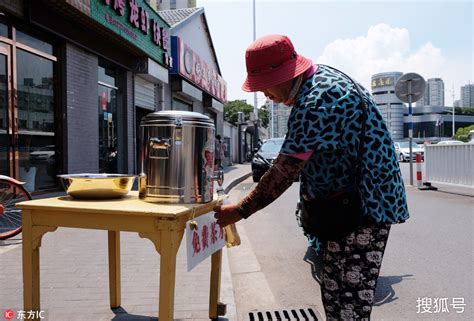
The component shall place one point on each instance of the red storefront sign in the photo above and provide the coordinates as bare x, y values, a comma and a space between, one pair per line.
195, 69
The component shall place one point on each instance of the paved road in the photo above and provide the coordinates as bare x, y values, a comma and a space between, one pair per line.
430, 256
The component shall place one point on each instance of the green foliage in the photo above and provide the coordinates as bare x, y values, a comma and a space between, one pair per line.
462, 134
463, 111
231, 108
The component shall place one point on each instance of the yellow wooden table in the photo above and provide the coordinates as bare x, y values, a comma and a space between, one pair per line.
162, 224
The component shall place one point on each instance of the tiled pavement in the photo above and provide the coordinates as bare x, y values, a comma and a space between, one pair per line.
74, 277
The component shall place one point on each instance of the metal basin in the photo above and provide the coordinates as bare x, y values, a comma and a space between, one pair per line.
97, 186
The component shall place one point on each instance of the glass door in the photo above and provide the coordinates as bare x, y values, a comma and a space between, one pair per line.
35, 100
5, 157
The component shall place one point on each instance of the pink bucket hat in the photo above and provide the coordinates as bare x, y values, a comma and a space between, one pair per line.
272, 60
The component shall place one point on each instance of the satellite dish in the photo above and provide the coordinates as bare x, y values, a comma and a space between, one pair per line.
410, 87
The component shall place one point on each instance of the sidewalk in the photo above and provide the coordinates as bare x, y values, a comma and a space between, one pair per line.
74, 276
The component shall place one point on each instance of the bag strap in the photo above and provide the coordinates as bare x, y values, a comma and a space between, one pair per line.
357, 170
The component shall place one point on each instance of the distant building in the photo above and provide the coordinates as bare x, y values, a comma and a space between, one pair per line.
457, 103
392, 108
434, 93
278, 118
435, 122
172, 4
467, 95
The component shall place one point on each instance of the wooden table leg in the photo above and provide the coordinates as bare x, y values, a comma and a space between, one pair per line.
31, 266
170, 241
114, 269
215, 284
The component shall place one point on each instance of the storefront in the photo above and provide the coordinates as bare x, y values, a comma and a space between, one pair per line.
196, 83
28, 63
84, 72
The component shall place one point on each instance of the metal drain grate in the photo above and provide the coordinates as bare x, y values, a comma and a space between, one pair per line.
307, 314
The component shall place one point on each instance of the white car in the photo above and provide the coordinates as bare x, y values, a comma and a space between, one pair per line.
450, 142
403, 151
45, 154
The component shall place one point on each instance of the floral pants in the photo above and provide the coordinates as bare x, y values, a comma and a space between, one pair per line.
350, 270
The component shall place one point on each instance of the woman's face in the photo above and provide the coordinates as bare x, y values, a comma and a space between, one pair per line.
279, 93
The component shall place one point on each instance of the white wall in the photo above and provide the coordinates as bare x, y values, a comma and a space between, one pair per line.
194, 35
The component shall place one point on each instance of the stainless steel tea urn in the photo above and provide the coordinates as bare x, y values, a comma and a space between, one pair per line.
177, 157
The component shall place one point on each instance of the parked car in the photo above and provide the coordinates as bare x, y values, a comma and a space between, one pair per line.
265, 156
403, 151
450, 142
44, 154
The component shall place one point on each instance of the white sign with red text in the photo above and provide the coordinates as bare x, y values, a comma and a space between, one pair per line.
203, 241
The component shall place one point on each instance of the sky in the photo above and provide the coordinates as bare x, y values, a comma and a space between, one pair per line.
361, 38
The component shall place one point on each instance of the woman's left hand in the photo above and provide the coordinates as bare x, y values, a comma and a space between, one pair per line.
227, 214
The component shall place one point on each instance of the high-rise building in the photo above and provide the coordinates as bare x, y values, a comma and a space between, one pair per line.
434, 93
467, 95
391, 108
278, 118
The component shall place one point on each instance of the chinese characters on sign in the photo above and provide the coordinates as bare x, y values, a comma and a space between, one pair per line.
204, 240
192, 67
439, 305
383, 81
136, 21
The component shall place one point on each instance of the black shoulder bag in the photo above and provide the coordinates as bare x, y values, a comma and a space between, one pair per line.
340, 213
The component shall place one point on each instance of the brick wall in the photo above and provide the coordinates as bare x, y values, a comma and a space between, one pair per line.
82, 5
81, 110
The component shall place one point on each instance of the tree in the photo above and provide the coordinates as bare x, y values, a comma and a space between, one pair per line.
462, 134
231, 109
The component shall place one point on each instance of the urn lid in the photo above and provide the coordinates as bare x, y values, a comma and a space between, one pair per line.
177, 118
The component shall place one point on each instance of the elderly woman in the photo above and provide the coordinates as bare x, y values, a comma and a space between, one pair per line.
331, 129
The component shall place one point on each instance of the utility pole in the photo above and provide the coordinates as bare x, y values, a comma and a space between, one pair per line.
454, 127
255, 107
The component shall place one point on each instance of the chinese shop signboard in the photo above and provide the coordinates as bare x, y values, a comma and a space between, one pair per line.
189, 65
204, 240
138, 23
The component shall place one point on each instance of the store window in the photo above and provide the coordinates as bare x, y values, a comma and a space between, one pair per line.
3, 30
108, 119
27, 128
35, 99
4, 163
33, 42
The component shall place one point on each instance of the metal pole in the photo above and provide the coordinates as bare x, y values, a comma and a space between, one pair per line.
272, 128
255, 107
410, 130
454, 127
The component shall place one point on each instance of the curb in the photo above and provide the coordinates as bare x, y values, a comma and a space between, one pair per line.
228, 292
236, 181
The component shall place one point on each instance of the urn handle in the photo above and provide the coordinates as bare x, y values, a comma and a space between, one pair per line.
159, 148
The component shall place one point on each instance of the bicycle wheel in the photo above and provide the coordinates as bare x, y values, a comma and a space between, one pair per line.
10, 216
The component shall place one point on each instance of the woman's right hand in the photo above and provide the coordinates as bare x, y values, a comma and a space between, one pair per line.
227, 214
